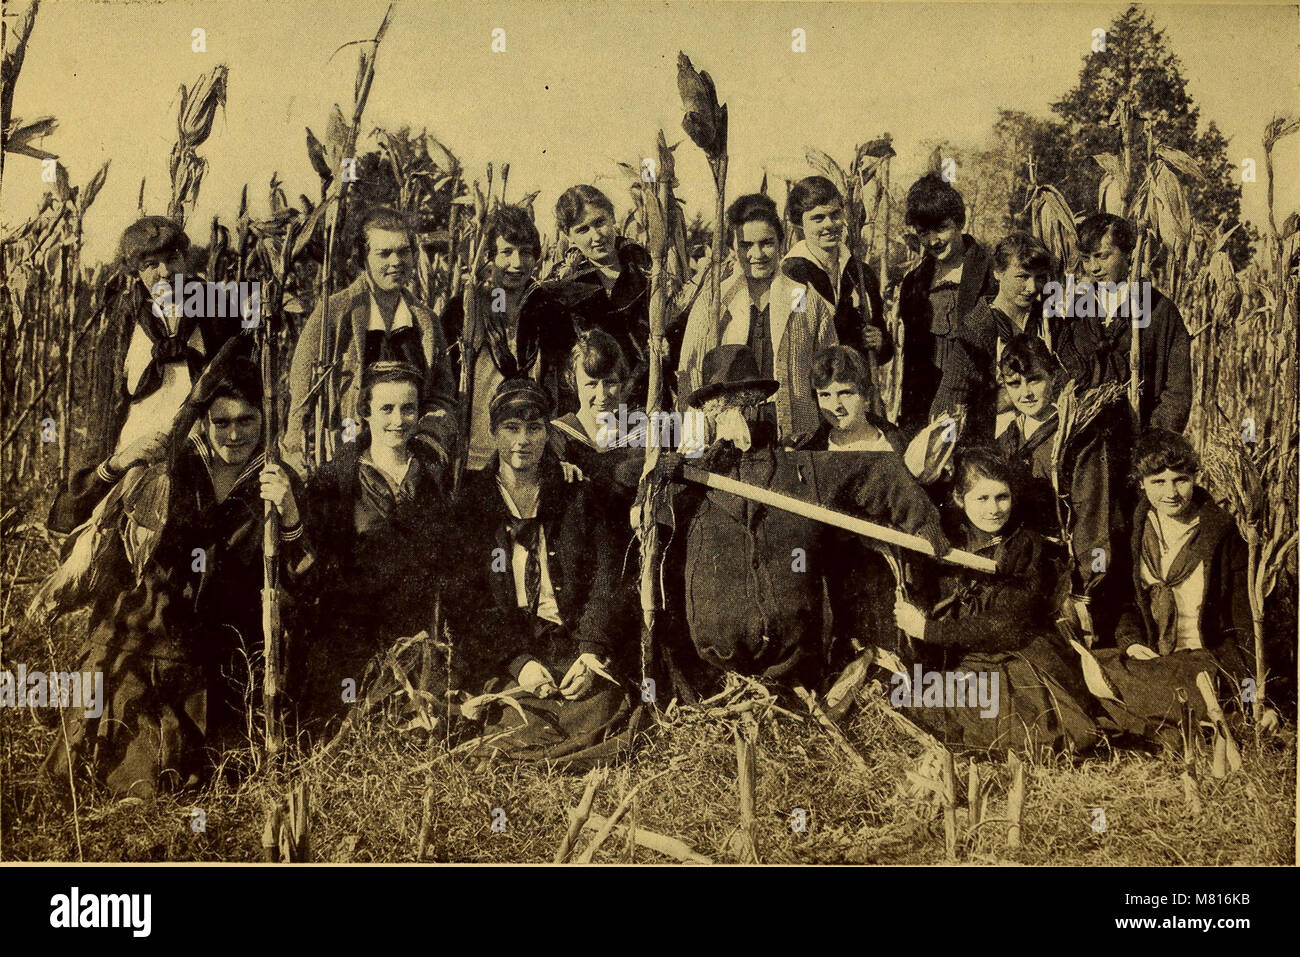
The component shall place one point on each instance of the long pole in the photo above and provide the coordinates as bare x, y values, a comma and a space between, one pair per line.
820, 513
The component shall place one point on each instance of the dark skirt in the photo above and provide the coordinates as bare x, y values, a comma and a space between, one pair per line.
164, 724
1148, 690
1041, 703
576, 735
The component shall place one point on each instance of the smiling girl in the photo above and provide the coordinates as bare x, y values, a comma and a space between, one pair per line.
758, 311
998, 626
379, 511
536, 603
1192, 610
855, 463
823, 264
174, 643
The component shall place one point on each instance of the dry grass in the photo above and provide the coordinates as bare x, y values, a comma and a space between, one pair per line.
367, 798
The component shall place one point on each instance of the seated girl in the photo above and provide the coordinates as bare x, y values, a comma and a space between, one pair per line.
174, 645
379, 513
1027, 690
869, 479
1078, 506
535, 600
1192, 611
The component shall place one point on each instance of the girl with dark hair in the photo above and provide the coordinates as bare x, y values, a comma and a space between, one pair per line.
604, 283
525, 331
938, 294
1191, 612
535, 597
378, 512
866, 476
596, 438
161, 346
997, 627
1021, 267
177, 644
1075, 502
823, 266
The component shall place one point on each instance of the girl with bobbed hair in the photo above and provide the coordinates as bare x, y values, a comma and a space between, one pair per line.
378, 511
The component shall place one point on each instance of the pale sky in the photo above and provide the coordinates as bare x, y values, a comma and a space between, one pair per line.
582, 85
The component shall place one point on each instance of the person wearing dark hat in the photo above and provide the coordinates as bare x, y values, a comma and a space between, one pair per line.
752, 574
157, 354
375, 319
174, 643
534, 597
379, 516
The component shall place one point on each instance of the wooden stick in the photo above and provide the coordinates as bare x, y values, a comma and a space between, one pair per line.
1015, 799
611, 822
668, 846
1215, 712
949, 777
833, 729
1187, 723
973, 793
579, 815
426, 824
742, 843
828, 516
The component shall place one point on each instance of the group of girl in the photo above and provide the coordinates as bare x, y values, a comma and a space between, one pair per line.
524, 570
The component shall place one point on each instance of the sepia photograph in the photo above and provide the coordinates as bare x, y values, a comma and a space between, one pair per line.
617, 432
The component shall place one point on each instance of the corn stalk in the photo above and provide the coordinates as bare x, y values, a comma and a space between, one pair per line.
659, 204
1253, 486
338, 154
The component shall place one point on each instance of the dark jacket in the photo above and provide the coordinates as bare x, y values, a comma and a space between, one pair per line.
753, 574
1088, 490
970, 378
1226, 623
999, 612
493, 636
624, 313
546, 332
921, 377
184, 608
379, 553
1093, 354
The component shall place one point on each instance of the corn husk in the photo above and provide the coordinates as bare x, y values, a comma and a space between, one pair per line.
704, 119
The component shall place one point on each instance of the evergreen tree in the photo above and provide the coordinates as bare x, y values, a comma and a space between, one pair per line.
1137, 60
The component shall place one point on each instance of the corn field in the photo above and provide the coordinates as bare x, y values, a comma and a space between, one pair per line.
58, 322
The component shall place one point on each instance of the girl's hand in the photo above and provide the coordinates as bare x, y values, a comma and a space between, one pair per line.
571, 472
277, 490
1140, 652
1269, 722
872, 337
909, 619
577, 680
143, 450
535, 678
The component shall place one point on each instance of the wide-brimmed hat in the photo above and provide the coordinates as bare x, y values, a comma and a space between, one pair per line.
730, 369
